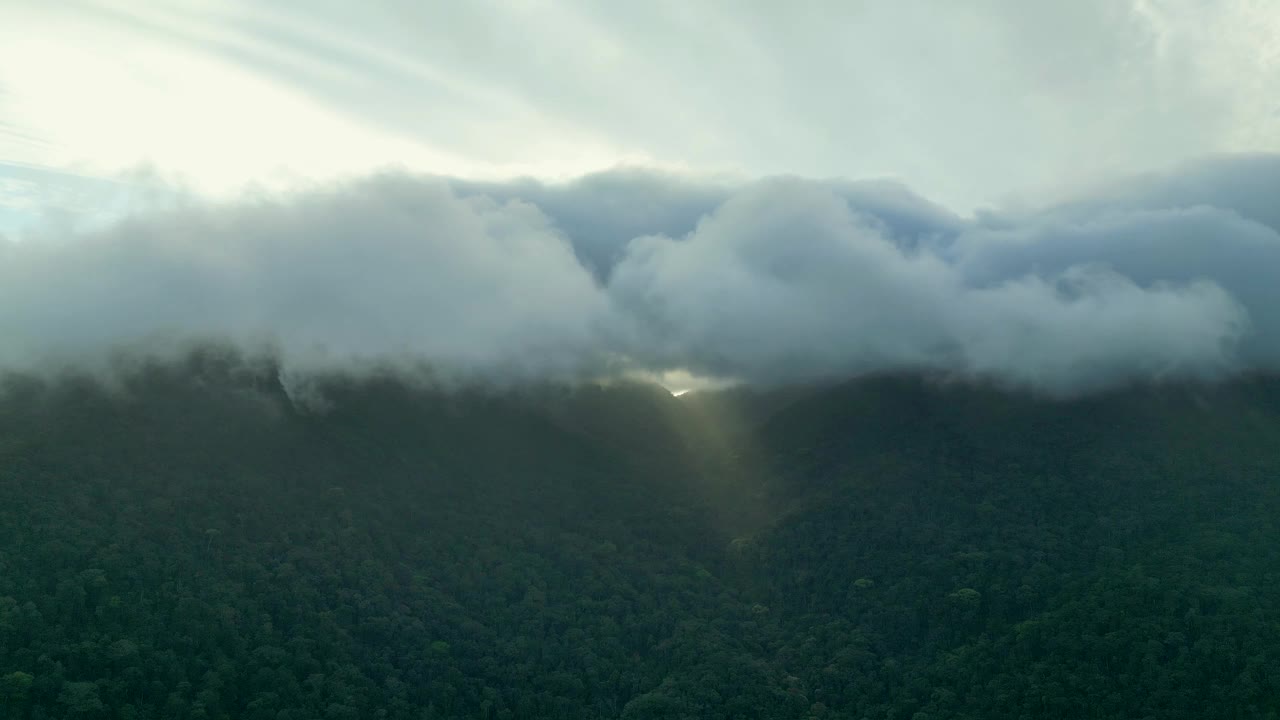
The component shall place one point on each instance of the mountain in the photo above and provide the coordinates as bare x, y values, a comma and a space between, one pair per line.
960, 552
197, 539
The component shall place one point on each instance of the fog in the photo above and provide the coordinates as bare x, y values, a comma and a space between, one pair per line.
1162, 277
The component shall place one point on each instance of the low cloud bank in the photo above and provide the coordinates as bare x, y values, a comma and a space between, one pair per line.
1158, 278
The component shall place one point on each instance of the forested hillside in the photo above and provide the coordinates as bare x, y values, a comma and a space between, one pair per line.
187, 541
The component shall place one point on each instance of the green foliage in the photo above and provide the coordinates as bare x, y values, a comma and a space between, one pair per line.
1107, 558
81, 699
15, 686
190, 544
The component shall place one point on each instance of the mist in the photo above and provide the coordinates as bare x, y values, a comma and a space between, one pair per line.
1158, 278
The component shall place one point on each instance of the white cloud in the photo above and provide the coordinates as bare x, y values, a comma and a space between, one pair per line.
1167, 277
786, 282
967, 102
390, 270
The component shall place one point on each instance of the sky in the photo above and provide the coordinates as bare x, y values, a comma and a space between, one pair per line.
969, 103
1058, 195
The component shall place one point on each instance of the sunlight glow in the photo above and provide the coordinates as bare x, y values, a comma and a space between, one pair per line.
84, 96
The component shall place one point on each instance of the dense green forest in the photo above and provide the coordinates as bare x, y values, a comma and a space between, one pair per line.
186, 541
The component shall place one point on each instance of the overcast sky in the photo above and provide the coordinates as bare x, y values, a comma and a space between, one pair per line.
1037, 192
967, 102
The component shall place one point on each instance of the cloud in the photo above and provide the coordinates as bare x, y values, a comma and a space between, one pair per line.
787, 281
392, 269
965, 101
1161, 277
1213, 221
603, 212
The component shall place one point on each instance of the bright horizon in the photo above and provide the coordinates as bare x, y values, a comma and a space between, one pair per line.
993, 102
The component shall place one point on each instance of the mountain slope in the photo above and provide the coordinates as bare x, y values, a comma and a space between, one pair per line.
190, 542
191, 545
958, 552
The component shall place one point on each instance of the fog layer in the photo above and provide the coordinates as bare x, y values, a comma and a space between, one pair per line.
1160, 277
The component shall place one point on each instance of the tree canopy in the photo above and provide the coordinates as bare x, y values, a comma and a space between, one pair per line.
187, 541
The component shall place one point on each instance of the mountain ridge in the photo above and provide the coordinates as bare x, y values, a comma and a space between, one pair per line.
190, 541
